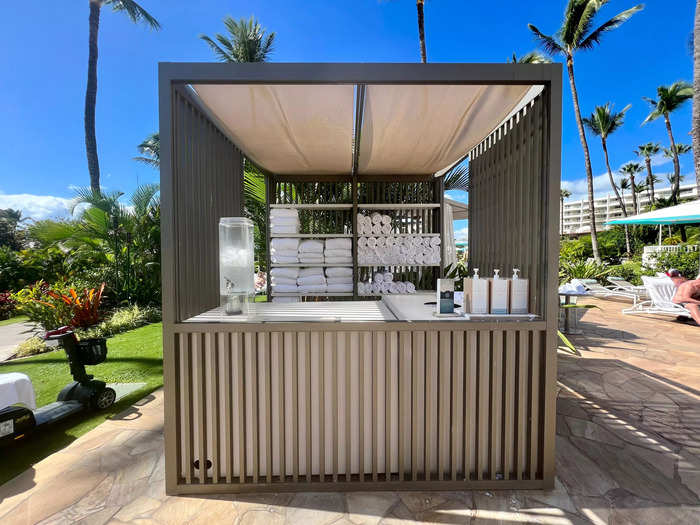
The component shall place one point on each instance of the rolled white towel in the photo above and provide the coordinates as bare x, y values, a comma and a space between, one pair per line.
371, 242
311, 246
401, 287
306, 272
375, 289
337, 253
289, 273
418, 258
390, 241
361, 288
376, 218
274, 281
435, 241
312, 288
285, 288
386, 220
284, 212
311, 279
362, 242
339, 243
410, 287
338, 260
378, 278
381, 242
339, 280
339, 287
285, 243
385, 230
281, 259
388, 277
394, 288
385, 287
339, 272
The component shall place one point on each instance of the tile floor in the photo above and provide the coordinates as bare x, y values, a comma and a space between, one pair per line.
628, 452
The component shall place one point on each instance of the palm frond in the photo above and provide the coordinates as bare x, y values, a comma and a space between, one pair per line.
615, 22
143, 196
578, 18
253, 185
220, 53
457, 178
533, 57
549, 43
134, 11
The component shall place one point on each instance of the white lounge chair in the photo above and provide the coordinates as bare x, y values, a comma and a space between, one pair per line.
661, 291
620, 284
598, 290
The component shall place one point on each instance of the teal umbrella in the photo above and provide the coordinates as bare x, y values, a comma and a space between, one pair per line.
686, 213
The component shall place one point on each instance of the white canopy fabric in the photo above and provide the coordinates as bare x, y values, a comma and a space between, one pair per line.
291, 129
686, 213
420, 129
287, 129
460, 210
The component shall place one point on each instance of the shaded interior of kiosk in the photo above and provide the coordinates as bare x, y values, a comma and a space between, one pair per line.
329, 207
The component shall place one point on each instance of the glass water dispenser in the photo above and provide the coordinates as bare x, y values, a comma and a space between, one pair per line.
236, 264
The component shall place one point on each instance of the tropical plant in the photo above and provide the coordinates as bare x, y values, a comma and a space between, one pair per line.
696, 97
10, 236
669, 99
7, 305
577, 34
631, 169
638, 189
580, 269
647, 151
84, 306
458, 272
137, 14
563, 194
247, 41
150, 150
679, 149
42, 309
603, 122
685, 262
533, 57
421, 30
457, 178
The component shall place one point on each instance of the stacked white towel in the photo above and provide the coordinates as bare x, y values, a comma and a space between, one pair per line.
311, 280
338, 251
284, 280
284, 250
399, 250
375, 224
284, 220
339, 279
383, 283
311, 251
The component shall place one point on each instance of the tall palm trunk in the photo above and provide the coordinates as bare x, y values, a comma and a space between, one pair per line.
634, 194
561, 216
675, 187
421, 30
650, 178
620, 200
696, 100
91, 98
586, 157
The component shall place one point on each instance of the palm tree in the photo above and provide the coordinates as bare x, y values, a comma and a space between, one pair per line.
631, 169
421, 30
457, 178
564, 194
696, 97
533, 57
679, 149
647, 151
668, 100
248, 41
637, 189
137, 14
603, 122
574, 35
150, 149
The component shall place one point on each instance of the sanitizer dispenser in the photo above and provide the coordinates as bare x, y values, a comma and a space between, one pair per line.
476, 294
518, 293
499, 293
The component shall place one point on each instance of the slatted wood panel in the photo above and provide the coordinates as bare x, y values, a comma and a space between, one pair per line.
307, 410
207, 170
508, 176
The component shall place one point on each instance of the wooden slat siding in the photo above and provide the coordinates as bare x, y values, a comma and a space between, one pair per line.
348, 409
295, 409
307, 402
267, 371
201, 408
496, 404
335, 435
470, 403
387, 403
227, 406
241, 388
374, 359
188, 394
509, 403
211, 341
403, 352
535, 375
277, 345
416, 380
251, 342
523, 409
361, 405
431, 344
456, 421
483, 389
322, 406
444, 357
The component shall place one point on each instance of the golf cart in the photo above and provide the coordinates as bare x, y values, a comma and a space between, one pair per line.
83, 393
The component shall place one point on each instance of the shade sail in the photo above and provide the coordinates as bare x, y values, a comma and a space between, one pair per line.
420, 129
287, 129
686, 213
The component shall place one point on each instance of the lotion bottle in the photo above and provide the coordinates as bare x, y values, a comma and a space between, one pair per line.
476, 294
499, 293
518, 293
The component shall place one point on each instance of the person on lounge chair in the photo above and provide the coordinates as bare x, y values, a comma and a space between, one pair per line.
687, 293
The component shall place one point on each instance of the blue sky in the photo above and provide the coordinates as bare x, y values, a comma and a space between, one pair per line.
44, 57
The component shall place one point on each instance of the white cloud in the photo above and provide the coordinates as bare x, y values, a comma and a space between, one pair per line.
462, 234
36, 207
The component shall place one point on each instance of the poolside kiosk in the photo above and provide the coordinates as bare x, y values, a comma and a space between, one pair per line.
352, 393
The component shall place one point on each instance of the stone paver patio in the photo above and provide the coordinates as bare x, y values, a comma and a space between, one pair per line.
628, 452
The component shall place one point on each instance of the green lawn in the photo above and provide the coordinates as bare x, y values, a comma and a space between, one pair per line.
13, 320
133, 357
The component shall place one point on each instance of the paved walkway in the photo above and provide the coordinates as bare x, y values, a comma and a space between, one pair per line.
11, 335
628, 452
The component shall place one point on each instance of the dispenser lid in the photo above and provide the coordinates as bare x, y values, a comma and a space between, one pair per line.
234, 221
